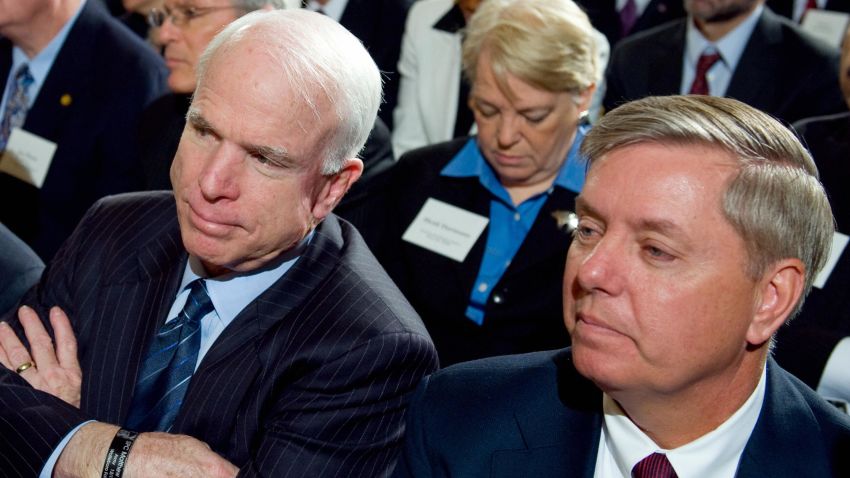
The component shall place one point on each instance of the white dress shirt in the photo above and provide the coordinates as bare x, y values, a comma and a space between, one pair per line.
716, 454
730, 47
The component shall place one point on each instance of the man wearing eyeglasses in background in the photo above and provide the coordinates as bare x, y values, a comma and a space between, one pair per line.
75, 83
184, 28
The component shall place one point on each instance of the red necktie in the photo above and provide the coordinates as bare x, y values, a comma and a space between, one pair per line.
700, 84
655, 465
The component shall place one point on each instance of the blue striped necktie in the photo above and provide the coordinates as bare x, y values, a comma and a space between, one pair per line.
168, 365
17, 104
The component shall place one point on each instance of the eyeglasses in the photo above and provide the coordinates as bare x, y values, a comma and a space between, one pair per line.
181, 15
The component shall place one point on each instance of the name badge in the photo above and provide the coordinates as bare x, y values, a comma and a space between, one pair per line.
27, 157
445, 229
839, 242
826, 25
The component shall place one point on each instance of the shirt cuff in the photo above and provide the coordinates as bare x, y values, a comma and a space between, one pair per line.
47, 471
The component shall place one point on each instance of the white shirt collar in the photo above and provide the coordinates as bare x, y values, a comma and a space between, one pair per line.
40, 64
730, 47
233, 292
715, 454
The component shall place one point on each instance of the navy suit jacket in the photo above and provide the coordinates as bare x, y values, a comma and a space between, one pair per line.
534, 415
109, 75
311, 379
782, 71
525, 309
379, 24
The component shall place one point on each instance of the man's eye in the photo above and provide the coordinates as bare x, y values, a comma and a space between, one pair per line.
189, 12
658, 254
583, 232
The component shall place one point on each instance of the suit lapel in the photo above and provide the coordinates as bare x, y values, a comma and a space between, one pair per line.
358, 17
137, 296
665, 61
290, 291
545, 239
758, 61
69, 78
786, 440
561, 434
470, 195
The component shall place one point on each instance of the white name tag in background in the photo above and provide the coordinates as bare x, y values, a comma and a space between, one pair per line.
27, 157
445, 229
839, 242
826, 25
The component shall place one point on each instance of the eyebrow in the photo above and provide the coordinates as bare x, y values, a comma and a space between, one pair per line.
276, 155
661, 226
527, 109
197, 121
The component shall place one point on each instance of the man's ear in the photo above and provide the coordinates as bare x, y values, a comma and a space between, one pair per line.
334, 187
781, 288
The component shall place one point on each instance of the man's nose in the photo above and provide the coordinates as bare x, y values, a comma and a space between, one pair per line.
601, 268
219, 178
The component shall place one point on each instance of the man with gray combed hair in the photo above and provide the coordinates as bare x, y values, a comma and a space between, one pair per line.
236, 326
700, 228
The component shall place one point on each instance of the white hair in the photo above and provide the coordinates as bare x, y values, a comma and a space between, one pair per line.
322, 62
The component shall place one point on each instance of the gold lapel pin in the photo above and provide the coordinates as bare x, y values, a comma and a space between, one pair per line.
566, 220
65, 100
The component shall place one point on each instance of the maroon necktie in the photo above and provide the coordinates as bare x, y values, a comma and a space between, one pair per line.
628, 17
655, 465
700, 84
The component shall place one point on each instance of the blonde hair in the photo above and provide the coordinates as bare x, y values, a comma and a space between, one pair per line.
548, 44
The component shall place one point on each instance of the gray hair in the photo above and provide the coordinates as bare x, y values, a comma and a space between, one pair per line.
321, 61
775, 202
548, 44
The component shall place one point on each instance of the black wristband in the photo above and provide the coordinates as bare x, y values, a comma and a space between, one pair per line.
116, 457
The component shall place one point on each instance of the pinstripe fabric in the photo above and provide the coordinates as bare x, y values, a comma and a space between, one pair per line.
655, 465
311, 379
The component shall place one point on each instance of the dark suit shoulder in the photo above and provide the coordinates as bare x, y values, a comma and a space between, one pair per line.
796, 422
122, 48
495, 379
659, 35
837, 124
517, 415
432, 157
107, 238
363, 279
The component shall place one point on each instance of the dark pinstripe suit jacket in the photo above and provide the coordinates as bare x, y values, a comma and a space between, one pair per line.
310, 379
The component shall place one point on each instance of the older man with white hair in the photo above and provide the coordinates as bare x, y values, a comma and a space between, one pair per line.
236, 326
